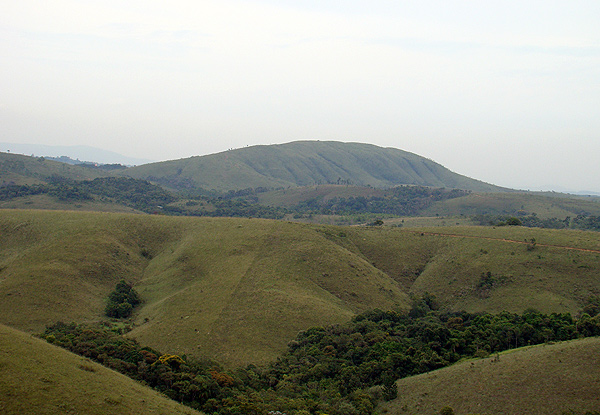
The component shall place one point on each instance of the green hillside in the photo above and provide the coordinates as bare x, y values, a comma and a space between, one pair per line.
239, 289
547, 379
38, 378
544, 205
305, 163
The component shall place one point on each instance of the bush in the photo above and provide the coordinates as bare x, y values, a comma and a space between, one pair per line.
121, 301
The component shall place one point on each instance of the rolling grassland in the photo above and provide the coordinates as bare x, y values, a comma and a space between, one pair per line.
39, 378
545, 379
238, 290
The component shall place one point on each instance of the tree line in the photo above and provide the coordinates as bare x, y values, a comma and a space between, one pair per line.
135, 193
581, 221
339, 369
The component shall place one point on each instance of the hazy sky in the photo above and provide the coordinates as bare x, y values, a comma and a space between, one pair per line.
505, 91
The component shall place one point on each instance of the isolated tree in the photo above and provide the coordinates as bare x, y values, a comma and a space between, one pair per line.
121, 301
512, 221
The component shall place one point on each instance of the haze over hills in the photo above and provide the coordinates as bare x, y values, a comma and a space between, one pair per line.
80, 152
304, 163
188, 177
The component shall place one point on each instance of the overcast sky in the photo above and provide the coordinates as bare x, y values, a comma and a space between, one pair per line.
506, 91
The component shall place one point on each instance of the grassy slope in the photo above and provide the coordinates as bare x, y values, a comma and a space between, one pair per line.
31, 170
240, 289
295, 195
545, 205
52, 203
304, 163
38, 378
546, 379
448, 262
236, 289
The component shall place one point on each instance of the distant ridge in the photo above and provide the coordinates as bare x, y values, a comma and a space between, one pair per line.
82, 153
304, 163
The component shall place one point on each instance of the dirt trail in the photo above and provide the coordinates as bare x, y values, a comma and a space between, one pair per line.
453, 235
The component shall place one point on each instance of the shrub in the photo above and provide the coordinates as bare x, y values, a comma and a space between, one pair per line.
121, 301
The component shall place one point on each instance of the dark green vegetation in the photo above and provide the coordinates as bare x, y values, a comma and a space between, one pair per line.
122, 300
398, 201
581, 221
342, 369
41, 379
137, 194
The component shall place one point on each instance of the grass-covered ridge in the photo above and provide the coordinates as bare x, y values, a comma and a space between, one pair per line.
304, 163
25, 170
239, 289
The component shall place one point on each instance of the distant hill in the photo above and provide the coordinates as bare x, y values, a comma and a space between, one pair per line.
20, 169
238, 290
305, 163
39, 378
82, 153
546, 379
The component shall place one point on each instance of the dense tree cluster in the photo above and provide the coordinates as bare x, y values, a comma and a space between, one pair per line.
581, 221
138, 194
121, 301
341, 369
401, 201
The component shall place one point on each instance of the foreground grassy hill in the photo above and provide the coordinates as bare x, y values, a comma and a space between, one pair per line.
305, 163
239, 289
38, 378
546, 379
235, 289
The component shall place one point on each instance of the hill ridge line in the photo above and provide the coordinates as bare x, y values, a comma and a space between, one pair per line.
489, 238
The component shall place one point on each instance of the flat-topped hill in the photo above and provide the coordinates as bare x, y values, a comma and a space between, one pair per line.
303, 163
